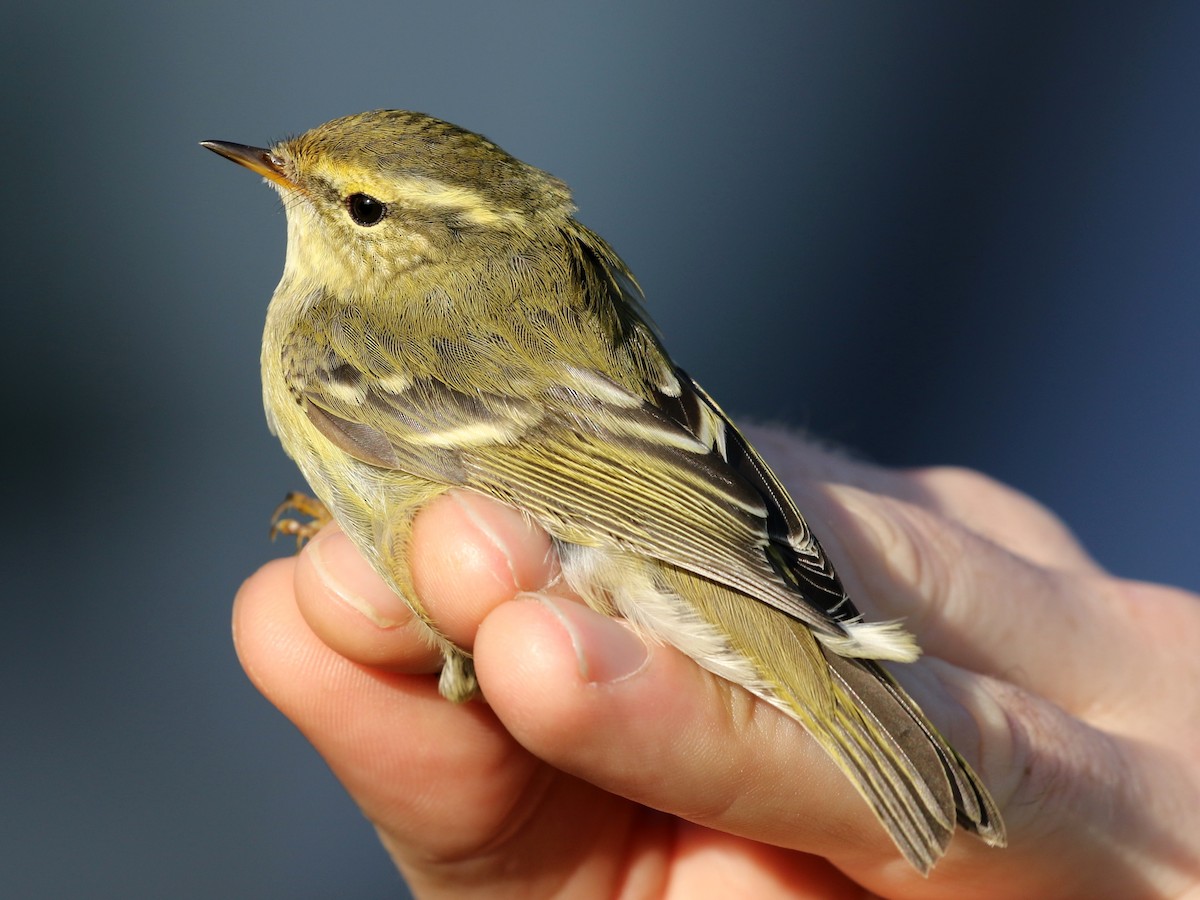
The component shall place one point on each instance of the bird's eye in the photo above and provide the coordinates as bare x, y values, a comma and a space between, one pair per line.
365, 210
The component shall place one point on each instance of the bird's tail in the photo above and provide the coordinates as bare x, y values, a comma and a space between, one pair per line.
916, 783
913, 780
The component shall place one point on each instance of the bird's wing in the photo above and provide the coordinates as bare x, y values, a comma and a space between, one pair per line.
670, 478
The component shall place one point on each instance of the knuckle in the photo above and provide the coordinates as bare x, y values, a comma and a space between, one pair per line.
1060, 765
920, 557
969, 484
1013, 517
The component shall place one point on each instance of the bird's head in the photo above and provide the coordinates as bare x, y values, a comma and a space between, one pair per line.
372, 196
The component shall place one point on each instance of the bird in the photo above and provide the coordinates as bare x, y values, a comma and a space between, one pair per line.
444, 322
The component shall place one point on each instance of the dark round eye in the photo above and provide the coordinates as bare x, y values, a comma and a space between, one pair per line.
365, 210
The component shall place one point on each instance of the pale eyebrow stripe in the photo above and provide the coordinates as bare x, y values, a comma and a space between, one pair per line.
468, 203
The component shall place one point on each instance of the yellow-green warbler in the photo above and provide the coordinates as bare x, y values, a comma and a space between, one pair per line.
444, 322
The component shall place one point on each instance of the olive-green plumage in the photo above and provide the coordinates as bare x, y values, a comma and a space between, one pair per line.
443, 322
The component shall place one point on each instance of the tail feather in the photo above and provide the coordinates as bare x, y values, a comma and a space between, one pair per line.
916, 770
874, 690
889, 760
915, 822
914, 782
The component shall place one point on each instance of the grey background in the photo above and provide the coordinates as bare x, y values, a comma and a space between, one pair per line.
936, 232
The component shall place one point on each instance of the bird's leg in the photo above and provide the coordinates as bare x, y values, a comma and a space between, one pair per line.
281, 523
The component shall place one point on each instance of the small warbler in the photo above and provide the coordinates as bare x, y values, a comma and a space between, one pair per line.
444, 322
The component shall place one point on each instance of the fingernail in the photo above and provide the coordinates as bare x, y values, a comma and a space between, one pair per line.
525, 548
466, 504
606, 651
355, 583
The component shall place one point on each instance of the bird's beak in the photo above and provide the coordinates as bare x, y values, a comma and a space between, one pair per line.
256, 159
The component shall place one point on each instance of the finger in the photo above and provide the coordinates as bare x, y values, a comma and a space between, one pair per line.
1001, 514
979, 606
587, 695
1159, 704
582, 692
1008, 593
461, 807
355, 613
469, 555
987, 507
441, 780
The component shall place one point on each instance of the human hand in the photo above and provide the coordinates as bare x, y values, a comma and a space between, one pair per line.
603, 767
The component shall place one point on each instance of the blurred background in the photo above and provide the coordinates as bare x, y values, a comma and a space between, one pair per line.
935, 232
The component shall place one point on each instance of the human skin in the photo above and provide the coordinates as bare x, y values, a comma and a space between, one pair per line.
603, 766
